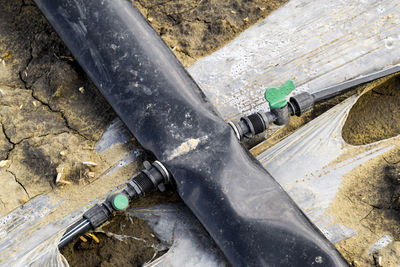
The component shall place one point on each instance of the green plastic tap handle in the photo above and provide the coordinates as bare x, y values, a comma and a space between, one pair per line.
276, 97
120, 201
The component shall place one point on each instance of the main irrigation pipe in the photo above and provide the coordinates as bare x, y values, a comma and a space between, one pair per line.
247, 213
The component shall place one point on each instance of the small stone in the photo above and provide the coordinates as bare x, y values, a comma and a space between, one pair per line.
23, 200
64, 182
378, 260
58, 178
81, 89
4, 163
6, 56
90, 175
59, 174
89, 163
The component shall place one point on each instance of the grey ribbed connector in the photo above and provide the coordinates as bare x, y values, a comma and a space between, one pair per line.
301, 103
97, 215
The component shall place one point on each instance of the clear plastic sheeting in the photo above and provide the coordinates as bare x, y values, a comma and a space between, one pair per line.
27, 239
309, 166
46, 253
177, 228
315, 43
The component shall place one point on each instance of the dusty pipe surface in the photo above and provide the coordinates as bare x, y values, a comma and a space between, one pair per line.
246, 212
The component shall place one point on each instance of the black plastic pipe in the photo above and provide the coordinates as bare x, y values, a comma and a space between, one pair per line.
341, 88
246, 212
79, 228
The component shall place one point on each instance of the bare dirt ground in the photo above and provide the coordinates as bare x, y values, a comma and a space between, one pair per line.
47, 122
368, 198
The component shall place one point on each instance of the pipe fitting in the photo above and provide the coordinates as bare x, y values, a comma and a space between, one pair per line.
155, 175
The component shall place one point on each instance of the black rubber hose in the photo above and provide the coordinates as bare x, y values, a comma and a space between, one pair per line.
77, 229
341, 88
246, 212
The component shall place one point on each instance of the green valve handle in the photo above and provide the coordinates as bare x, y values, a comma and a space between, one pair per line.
276, 97
119, 201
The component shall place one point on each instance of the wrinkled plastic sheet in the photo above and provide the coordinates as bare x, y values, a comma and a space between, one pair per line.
229, 86
188, 242
302, 164
314, 43
26, 240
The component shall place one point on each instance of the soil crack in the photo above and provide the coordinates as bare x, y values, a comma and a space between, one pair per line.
8, 140
61, 113
16, 180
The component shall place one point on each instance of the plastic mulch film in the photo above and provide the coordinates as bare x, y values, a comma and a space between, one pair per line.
28, 240
314, 43
177, 228
310, 165
304, 165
